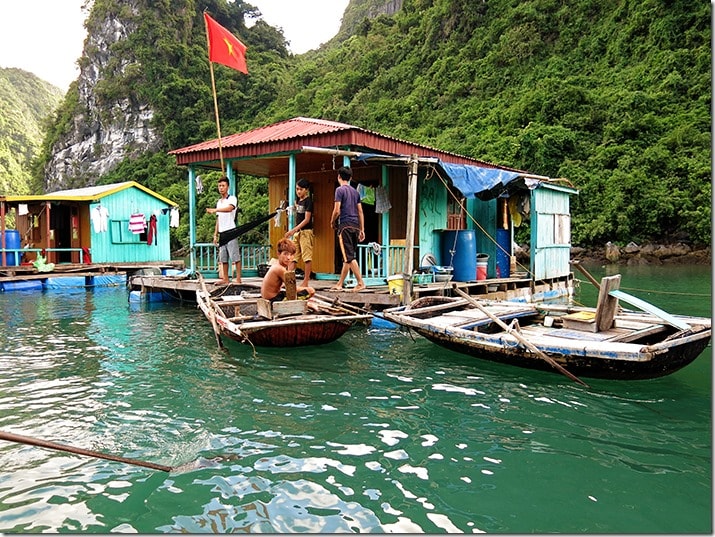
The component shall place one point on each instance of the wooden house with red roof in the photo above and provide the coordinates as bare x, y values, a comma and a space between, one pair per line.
413, 196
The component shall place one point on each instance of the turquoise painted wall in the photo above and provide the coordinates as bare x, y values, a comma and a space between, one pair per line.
432, 216
118, 244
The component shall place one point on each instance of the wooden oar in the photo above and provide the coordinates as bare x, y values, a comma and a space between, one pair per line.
79, 451
212, 313
528, 344
586, 273
337, 303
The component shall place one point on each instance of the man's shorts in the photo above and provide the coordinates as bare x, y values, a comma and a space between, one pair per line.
302, 294
304, 245
348, 237
229, 252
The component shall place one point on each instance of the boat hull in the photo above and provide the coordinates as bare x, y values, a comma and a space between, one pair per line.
638, 346
289, 335
659, 365
318, 323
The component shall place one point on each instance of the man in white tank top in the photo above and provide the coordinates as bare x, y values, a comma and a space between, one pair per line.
225, 212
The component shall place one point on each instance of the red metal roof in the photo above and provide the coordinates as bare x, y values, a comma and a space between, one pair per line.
263, 144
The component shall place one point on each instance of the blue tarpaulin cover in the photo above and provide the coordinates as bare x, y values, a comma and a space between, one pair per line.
472, 180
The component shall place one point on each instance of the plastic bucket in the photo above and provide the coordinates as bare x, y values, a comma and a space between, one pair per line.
395, 283
459, 250
12, 242
482, 264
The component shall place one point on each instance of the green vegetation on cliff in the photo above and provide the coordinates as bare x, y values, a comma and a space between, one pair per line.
613, 95
26, 102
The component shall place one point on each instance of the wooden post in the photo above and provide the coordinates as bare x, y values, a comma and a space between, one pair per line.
2, 230
607, 304
408, 261
291, 286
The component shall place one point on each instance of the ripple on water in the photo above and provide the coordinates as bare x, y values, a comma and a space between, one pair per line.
376, 432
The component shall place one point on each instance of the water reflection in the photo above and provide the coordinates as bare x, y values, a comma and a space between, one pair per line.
376, 432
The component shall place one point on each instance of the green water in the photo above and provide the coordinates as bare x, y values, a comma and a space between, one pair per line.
376, 432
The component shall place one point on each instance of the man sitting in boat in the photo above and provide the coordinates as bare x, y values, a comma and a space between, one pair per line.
274, 280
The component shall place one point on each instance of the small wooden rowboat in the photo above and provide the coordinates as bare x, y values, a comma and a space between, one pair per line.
628, 345
288, 323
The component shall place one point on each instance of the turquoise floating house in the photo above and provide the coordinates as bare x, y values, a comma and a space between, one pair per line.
118, 223
420, 203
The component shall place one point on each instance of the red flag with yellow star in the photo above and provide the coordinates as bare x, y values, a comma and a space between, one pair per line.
224, 47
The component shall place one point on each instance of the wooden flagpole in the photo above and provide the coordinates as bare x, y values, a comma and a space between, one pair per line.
213, 88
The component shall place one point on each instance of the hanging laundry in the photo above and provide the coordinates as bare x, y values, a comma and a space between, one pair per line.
174, 217
199, 185
100, 218
137, 223
367, 194
22, 209
382, 200
151, 234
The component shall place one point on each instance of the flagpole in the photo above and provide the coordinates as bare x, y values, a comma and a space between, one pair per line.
213, 89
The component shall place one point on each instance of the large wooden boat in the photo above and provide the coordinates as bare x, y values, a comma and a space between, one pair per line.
604, 342
289, 323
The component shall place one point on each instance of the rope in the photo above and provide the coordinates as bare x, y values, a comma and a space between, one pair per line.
665, 292
464, 210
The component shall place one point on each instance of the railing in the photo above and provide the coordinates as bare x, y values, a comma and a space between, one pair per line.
40, 251
388, 261
252, 255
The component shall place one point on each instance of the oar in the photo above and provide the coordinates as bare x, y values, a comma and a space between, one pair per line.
212, 313
528, 344
586, 273
79, 451
340, 304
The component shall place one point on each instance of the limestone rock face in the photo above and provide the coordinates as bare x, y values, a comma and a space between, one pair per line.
107, 126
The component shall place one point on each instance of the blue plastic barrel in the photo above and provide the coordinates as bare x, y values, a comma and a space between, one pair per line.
503, 253
459, 250
12, 242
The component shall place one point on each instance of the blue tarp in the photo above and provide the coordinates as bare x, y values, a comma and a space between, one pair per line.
474, 180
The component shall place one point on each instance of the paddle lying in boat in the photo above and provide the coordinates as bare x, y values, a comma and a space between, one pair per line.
603, 342
518, 336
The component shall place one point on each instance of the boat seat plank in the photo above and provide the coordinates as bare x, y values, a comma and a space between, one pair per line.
583, 335
474, 318
633, 335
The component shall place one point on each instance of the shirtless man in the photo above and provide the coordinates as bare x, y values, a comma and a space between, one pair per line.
272, 286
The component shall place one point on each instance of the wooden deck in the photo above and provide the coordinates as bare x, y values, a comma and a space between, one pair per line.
374, 297
28, 272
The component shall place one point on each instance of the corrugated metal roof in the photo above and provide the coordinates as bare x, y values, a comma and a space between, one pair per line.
286, 137
89, 193
285, 130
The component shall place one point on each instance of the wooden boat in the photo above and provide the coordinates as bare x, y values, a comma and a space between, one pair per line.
604, 342
289, 323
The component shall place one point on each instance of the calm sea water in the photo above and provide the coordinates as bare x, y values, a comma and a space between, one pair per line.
377, 432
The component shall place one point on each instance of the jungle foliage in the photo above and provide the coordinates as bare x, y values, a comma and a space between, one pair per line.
26, 102
612, 95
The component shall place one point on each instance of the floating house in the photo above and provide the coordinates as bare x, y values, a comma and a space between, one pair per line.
443, 208
118, 223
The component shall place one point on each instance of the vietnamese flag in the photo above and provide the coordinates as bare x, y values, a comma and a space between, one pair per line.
224, 47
